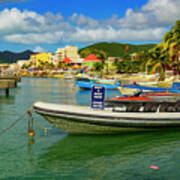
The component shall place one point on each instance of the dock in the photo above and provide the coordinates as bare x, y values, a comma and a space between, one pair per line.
7, 82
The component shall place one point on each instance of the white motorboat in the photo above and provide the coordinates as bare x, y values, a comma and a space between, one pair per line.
84, 120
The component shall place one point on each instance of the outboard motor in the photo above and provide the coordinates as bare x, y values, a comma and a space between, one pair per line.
137, 94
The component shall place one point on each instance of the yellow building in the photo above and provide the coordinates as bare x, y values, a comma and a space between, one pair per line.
40, 59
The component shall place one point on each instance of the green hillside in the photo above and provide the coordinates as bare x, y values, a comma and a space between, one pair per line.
116, 49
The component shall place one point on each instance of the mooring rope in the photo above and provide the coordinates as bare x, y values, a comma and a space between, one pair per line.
15, 122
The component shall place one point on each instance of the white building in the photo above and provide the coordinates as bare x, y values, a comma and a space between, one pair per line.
69, 51
54, 60
20, 63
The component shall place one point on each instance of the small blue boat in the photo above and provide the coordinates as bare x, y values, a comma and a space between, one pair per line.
174, 89
86, 83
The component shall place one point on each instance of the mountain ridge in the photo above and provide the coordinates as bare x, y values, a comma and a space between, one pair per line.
12, 57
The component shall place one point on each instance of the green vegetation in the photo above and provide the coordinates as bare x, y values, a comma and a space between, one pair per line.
129, 64
167, 53
123, 53
2, 61
114, 49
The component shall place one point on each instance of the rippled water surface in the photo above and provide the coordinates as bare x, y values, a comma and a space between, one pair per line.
55, 155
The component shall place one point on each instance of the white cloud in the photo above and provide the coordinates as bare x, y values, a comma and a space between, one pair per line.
156, 13
110, 34
88, 35
83, 21
36, 38
39, 49
14, 21
146, 24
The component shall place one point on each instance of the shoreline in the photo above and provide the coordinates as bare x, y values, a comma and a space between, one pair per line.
125, 78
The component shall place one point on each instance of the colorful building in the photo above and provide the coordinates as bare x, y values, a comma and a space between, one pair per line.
90, 60
4, 67
40, 59
67, 60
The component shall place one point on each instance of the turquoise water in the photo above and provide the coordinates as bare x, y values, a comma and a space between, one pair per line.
55, 155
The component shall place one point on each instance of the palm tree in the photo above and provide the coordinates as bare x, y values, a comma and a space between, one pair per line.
61, 65
125, 65
98, 67
172, 44
158, 59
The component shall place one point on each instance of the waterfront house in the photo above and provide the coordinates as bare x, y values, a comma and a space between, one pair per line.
91, 60
67, 60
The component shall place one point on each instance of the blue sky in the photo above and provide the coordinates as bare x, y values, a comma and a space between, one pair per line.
99, 9
45, 25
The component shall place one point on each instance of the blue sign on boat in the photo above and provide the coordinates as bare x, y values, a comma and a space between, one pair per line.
97, 97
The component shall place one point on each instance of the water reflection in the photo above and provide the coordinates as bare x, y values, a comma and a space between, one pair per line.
7, 100
103, 157
70, 146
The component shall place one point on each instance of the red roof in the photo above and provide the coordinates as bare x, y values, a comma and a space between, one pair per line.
91, 57
67, 60
111, 60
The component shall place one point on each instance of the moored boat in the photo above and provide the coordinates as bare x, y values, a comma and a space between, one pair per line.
147, 83
59, 76
87, 83
174, 89
147, 102
84, 120
161, 94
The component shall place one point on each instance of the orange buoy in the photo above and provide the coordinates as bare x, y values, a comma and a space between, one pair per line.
31, 133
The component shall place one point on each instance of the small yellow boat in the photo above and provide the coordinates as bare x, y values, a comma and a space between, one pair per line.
127, 91
59, 76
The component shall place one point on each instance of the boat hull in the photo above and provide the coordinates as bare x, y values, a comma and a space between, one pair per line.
89, 83
83, 120
76, 128
88, 86
174, 89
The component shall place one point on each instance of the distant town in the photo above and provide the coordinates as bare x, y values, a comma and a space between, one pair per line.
63, 59
105, 59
